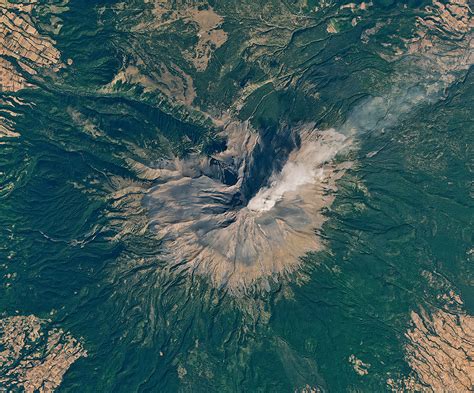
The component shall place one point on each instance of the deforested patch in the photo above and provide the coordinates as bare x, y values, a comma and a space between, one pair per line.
200, 16
210, 36
34, 358
171, 81
440, 350
23, 49
359, 366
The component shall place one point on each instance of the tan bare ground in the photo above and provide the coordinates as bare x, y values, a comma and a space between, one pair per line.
210, 36
174, 82
359, 366
207, 23
32, 358
440, 350
453, 21
20, 40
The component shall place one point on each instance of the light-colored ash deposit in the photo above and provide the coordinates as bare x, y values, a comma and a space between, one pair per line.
250, 211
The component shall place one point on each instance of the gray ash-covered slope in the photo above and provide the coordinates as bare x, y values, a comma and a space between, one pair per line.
249, 211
